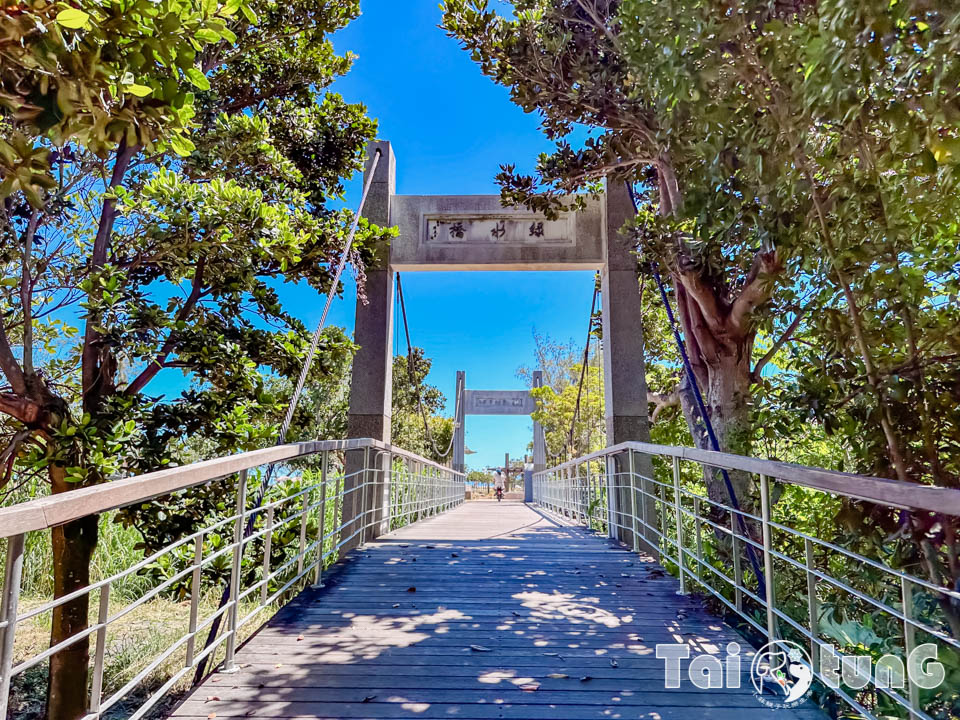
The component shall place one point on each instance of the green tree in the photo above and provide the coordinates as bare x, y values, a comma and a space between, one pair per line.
566, 60
174, 265
417, 424
797, 164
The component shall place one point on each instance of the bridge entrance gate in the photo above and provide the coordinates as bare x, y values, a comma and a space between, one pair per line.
475, 232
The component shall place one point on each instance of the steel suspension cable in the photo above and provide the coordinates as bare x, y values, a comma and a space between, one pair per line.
701, 405
458, 391
583, 366
294, 400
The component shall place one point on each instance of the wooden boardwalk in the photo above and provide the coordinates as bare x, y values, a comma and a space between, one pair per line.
488, 611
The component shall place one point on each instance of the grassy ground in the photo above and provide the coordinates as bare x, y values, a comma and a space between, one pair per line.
132, 643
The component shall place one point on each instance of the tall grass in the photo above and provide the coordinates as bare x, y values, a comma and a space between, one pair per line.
116, 551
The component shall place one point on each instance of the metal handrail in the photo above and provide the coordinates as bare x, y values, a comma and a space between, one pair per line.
606, 491
56, 510
895, 493
389, 488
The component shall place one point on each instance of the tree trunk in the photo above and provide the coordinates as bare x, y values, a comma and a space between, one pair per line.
728, 404
727, 399
73, 546
726, 396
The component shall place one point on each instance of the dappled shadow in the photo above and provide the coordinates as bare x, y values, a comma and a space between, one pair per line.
484, 612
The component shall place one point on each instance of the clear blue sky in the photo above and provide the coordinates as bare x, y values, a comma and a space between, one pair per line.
451, 128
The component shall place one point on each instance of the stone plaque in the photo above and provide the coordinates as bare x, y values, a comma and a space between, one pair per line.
498, 402
497, 230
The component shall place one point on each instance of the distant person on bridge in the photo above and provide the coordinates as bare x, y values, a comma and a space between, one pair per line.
499, 483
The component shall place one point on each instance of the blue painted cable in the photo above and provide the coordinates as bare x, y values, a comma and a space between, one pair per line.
701, 407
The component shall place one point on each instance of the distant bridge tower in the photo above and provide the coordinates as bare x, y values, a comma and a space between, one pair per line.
496, 402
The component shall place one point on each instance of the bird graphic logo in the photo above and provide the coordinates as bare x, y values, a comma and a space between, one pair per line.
782, 674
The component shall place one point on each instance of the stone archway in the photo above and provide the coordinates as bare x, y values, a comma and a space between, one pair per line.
475, 232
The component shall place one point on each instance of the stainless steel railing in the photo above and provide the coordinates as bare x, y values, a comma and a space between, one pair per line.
345, 503
654, 497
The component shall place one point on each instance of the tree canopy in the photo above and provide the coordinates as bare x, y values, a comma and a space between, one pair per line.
795, 166
165, 166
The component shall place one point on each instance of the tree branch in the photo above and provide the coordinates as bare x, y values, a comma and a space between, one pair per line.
159, 362
781, 341
26, 293
661, 401
757, 289
90, 356
711, 307
11, 368
21, 408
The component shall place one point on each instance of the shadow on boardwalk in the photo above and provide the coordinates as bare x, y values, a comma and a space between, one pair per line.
488, 611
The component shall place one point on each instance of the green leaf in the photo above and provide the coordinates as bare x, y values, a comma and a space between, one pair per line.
72, 18
207, 35
249, 14
198, 79
182, 145
139, 90
230, 8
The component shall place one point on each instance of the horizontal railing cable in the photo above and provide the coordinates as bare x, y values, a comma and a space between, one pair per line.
685, 526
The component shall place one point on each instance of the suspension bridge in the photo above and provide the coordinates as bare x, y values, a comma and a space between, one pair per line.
348, 578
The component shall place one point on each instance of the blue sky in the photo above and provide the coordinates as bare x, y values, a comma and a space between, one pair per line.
451, 128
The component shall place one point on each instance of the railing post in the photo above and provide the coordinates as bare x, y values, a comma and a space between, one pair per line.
737, 569
561, 490
197, 576
267, 552
768, 558
380, 522
812, 606
698, 527
361, 516
338, 497
909, 642
407, 491
590, 502
324, 468
304, 510
100, 646
679, 520
613, 485
8, 614
631, 473
414, 504
228, 661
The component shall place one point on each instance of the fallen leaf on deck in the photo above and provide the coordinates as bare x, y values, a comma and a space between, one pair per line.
411, 589
586, 678
614, 663
211, 698
479, 648
558, 676
530, 688
368, 698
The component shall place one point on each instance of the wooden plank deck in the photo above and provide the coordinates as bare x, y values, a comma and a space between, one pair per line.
488, 611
